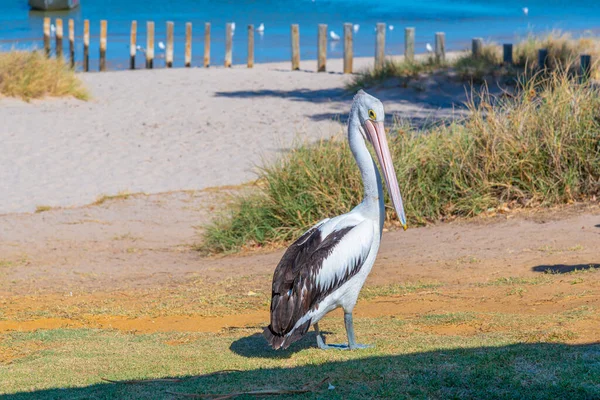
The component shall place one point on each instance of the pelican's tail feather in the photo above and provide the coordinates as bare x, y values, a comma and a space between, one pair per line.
277, 341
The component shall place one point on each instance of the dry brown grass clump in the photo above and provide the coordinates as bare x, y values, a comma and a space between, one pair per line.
30, 75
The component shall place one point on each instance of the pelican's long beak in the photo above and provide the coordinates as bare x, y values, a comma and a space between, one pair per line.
377, 137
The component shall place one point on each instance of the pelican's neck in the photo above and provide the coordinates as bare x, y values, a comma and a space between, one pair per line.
372, 203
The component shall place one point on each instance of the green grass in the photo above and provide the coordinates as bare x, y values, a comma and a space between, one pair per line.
540, 147
409, 361
30, 75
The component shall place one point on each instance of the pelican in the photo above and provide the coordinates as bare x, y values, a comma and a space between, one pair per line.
334, 36
327, 266
355, 28
261, 27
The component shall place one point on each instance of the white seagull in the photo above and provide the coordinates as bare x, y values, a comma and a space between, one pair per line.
526, 11
391, 27
334, 36
233, 28
161, 45
52, 30
140, 49
429, 48
355, 28
261, 27
327, 266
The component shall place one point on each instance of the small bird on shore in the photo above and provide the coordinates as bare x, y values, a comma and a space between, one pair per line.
355, 28
526, 11
161, 45
327, 266
429, 48
261, 28
334, 36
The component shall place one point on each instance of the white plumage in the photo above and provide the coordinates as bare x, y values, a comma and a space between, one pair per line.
526, 11
161, 45
334, 36
429, 48
261, 27
328, 265
355, 28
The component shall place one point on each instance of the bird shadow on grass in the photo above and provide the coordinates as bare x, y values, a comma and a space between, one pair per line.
524, 370
255, 345
564, 268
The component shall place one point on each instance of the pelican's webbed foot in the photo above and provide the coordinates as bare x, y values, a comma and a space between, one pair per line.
350, 331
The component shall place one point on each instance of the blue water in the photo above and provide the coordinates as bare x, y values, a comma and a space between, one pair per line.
498, 20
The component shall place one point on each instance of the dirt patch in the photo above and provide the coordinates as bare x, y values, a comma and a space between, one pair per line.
128, 264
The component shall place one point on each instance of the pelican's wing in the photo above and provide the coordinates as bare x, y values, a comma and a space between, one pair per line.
317, 264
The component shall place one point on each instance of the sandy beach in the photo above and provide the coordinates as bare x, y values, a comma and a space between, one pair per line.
162, 130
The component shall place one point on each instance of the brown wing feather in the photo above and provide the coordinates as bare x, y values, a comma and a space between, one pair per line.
294, 290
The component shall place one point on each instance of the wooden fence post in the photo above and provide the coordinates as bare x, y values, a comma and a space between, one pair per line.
380, 46
585, 65
86, 45
149, 44
132, 44
250, 46
59, 38
207, 44
72, 43
47, 36
348, 51
169, 50
103, 29
409, 44
440, 47
507, 53
543, 58
228, 44
322, 48
188, 44
477, 47
295, 47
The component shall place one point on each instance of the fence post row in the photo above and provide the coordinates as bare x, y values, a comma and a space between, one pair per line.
409, 44
380, 46
322, 48
295, 47
348, 50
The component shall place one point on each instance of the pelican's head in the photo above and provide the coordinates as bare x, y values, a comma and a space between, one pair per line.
371, 115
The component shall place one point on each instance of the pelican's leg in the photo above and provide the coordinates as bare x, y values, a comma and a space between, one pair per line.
323, 346
350, 331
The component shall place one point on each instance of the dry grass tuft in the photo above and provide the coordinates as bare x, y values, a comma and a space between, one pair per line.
540, 147
30, 75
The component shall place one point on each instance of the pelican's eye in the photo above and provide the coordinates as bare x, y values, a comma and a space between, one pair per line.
372, 115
